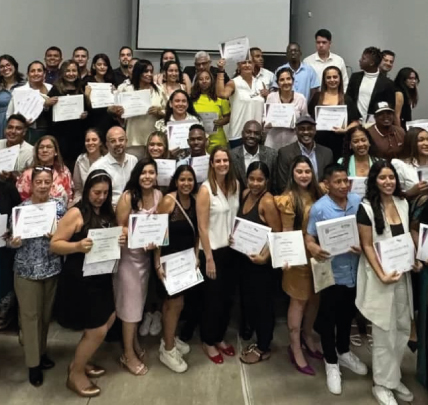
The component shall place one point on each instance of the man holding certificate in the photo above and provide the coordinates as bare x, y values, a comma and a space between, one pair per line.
337, 302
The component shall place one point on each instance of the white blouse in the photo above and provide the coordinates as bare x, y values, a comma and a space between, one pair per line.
80, 174
407, 173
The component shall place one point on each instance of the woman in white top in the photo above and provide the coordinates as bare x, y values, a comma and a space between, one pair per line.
140, 127
246, 95
414, 155
279, 137
217, 204
36, 80
173, 79
94, 150
167, 56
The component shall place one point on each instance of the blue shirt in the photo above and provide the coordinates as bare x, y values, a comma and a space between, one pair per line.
311, 155
305, 79
344, 266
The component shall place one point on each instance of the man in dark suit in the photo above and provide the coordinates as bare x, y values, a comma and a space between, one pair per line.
369, 87
203, 62
319, 155
252, 151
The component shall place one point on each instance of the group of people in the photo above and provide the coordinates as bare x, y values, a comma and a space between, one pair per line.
102, 168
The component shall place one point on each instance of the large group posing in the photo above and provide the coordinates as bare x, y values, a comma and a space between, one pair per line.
102, 168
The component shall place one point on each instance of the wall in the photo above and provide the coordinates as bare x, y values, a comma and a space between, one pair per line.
28, 27
388, 24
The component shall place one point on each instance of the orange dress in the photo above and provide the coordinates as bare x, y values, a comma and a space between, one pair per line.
297, 282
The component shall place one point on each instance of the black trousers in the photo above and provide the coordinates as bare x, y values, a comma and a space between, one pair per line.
336, 311
218, 295
257, 294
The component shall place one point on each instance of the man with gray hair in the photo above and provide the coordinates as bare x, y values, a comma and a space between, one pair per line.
202, 62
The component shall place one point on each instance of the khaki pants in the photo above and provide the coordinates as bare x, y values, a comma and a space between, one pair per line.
35, 300
389, 345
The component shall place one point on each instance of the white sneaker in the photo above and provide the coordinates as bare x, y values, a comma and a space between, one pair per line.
383, 395
351, 361
182, 347
403, 393
156, 326
145, 325
334, 381
172, 359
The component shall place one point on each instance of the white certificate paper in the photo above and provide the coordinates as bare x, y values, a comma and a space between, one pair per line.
144, 229
3, 229
68, 108
328, 117
166, 169
105, 244
200, 165
422, 254
95, 269
235, 50
208, 119
33, 221
8, 157
249, 238
337, 236
287, 247
28, 102
134, 103
180, 271
178, 133
396, 253
422, 173
323, 274
417, 123
357, 185
101, 94
280, 115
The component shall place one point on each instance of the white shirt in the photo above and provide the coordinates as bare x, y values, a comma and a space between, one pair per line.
80, 174
407, 173
365, 92
25, 156
249, 158
119, 173
266, 77
319, 65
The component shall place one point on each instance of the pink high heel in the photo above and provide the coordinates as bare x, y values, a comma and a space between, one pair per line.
308, 370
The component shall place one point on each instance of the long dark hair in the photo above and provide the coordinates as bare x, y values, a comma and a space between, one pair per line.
410, 149
293, 188
61, 83
133, 184
177, 59
410, 95
230, 180
180, 169
91, 219
109, 76
197, 91
190, 108
18, 76
141, 67
166, 67
373, 193
324, 85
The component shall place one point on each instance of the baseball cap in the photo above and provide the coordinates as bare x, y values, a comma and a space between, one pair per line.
383, 106
305, 119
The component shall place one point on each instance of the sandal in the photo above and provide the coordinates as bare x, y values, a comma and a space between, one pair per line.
253, 349
138, 370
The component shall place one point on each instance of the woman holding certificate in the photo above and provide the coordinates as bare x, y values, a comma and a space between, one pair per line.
173, 79
294, 204
36, 275
216, 207
278, 137
85, 302
385, 297
132, 278
258, 277
331, 95
157, 146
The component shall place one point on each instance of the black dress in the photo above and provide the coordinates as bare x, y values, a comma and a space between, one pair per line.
83, 302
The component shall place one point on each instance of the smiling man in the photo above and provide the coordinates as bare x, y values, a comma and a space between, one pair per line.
122, 72
53, 59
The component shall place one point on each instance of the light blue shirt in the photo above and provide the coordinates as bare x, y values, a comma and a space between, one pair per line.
305, 79
344, 266
310, 154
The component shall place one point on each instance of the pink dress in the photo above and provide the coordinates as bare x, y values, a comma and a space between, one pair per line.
131, 281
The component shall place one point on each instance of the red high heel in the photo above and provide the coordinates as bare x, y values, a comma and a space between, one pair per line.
217, 359
228, 351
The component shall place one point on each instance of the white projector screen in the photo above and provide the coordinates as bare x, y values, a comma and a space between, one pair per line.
194, 25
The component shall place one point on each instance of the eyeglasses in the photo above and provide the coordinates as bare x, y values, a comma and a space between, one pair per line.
6, 66
43, 169
41, 147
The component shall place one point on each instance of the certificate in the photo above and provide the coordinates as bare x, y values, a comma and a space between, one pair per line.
134, 103
68, 108
144, 229
33, 221
178, 133
422, 254
287, 247
8, 157
95, 269
422, 173
280, 115
323, 274
28, 102
101, 95
235, 50
417, 123
3, 229
330, 117
180, 271
105, 244
337, 236
208, 122
166, 169
200, 165
249, 238
396, 253
358, 185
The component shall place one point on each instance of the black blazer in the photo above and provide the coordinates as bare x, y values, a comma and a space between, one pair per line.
191, 72
384, 90
286, 154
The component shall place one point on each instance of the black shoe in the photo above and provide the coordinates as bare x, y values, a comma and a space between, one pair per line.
413, 346
246, 333
35, 376
46, 363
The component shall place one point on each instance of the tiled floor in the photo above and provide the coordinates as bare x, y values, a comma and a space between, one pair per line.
274, 382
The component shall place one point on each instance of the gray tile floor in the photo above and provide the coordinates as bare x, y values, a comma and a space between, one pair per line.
273, 382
